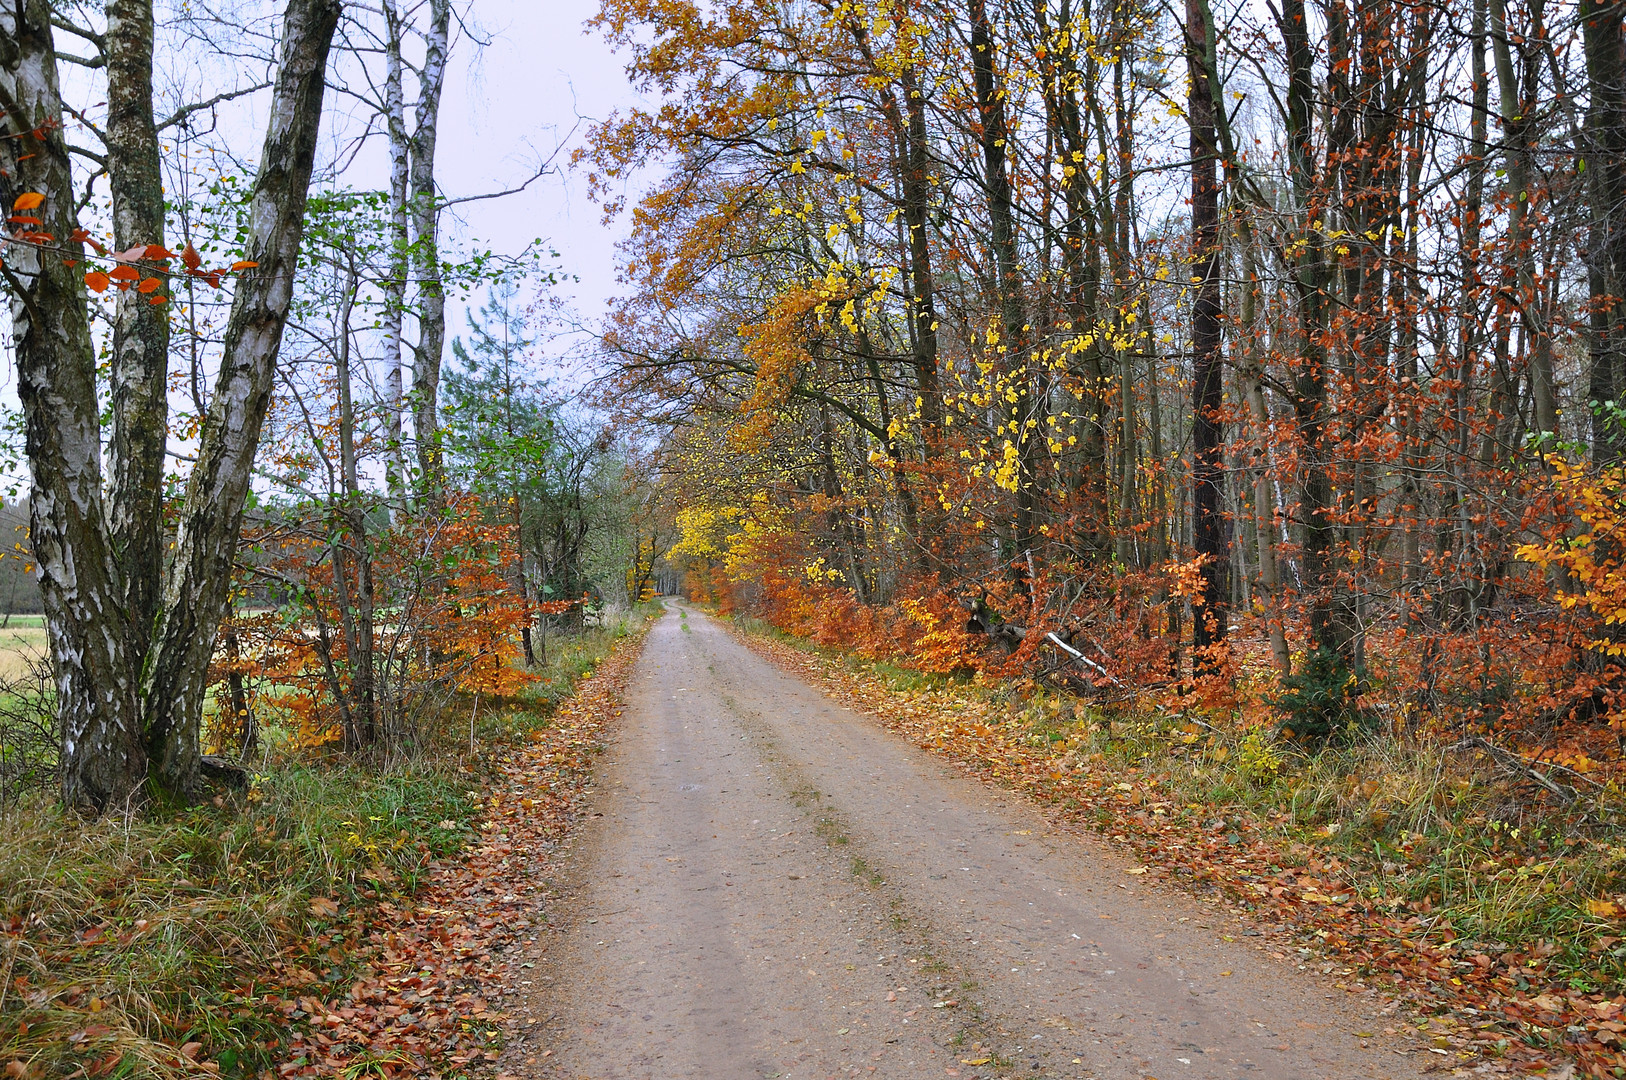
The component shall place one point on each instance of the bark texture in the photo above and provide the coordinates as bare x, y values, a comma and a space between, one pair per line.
1209, 526
79, 572
140, 360
1605, 156
196, 592
426, 258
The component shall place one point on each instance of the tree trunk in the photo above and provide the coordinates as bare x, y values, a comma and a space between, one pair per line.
140, 353
1605, 157
1310, 280
1514, 111
993, 135
356, 545
1208, 526
1264, 505
211, 518
426, 259
394, 287
81, 582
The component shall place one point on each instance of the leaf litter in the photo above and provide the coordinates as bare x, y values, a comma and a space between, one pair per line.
427, 999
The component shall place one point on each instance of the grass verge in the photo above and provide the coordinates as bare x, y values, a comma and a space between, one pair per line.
224, 939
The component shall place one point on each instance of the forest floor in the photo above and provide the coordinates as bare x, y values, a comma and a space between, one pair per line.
772, 885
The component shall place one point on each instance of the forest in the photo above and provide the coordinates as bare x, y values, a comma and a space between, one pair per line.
1205, 418
309, 516
1271, 353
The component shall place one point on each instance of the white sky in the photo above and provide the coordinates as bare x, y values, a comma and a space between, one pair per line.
509, 105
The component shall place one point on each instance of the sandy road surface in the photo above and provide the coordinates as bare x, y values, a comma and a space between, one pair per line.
779, 888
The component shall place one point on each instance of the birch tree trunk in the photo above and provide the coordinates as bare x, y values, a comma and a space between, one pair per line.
80, 578
140, 358
395, 286
425, 214
206, 542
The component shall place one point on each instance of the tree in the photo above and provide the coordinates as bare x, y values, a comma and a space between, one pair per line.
130, 681
501, 429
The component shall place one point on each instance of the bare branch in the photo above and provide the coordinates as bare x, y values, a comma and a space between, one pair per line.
541, 170
98, 40
82, 61
187, 110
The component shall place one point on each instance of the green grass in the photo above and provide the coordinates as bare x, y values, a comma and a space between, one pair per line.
20, 645
152, 932
1420, 829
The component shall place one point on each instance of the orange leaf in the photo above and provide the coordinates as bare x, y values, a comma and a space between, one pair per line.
97, 281
190, 256
24, 219
213, 277
124, 273
244, 265
157, 299
28, 200
158, 251
149, 285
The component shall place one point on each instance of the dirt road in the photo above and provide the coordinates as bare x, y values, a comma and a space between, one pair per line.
779, 888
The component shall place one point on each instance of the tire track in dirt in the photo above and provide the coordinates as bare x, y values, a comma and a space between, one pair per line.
777, 887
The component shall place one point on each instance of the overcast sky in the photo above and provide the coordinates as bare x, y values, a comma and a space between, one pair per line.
511, 103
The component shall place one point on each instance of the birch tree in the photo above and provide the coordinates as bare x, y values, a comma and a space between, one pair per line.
131, 639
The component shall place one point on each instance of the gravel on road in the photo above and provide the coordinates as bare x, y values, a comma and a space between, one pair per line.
774, 886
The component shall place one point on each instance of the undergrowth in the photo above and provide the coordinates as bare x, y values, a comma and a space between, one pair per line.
1445, 835
136, 946
128, 940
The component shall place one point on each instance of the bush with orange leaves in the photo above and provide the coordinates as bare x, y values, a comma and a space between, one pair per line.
367, 638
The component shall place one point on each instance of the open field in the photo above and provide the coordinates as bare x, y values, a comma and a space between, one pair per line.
20, 643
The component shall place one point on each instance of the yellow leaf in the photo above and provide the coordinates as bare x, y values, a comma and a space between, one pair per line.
1603, 909
28, 200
